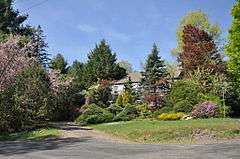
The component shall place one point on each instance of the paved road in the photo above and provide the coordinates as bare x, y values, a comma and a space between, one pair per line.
91, 147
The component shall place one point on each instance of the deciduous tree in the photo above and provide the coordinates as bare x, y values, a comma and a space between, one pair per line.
199, 51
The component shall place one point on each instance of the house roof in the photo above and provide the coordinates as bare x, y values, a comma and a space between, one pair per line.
134, 76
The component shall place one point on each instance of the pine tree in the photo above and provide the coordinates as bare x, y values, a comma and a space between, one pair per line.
233, 46
101, 65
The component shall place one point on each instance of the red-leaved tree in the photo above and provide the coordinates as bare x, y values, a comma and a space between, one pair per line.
199, 51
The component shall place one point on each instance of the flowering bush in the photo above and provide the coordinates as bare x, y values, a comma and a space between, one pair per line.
205, 110
171, 116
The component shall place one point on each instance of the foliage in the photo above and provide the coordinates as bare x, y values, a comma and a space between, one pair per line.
13, 59
126, 65
76, 71
165, 109
11, 116
12, 23
143, 110
184, 90
199, 51
100, 93
101, 65
10, 20
40, 53
171, 116
197, 19
155, 100
173, 70
94, 114
205, 110
32, 89
233, 47
128, 113
154, 70
183, 106
127, 98
154, 80
119, 100
114, 109
66, 97
59, 63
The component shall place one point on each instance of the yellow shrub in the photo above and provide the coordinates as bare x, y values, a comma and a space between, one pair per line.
171, 116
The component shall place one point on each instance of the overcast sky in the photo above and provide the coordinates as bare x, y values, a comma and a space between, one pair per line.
73, 27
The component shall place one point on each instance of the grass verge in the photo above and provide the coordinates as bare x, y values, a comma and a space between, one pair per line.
190, 131
38, 134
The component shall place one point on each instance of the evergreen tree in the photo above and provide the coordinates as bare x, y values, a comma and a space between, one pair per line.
101, 65
10, 20
155, 70
59, 63
233, 46
36, 35
154, 80
128, 86
77, 72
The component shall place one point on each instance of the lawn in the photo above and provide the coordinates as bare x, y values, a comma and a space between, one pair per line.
188, 131
32, 135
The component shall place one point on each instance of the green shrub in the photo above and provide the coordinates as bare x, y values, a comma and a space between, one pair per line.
32, 89
127, 98
184, 91
119, 100
94, 114
114, 109
11, 116
183, 106
166, 109
171, 116
129, 112
143, 110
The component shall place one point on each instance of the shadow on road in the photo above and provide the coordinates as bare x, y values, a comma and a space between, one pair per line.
9, 148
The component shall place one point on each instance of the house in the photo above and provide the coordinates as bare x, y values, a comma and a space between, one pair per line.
118, 86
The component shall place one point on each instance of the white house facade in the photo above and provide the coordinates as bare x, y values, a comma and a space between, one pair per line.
118, 86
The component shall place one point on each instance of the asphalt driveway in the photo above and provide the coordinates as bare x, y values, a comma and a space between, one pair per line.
84, 145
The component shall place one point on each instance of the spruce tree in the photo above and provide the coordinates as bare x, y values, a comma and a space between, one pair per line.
155, 70
154, 80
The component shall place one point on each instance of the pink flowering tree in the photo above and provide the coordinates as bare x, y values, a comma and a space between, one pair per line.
14, 56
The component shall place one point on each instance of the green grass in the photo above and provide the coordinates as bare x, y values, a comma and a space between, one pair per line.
31, 135
190, 131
